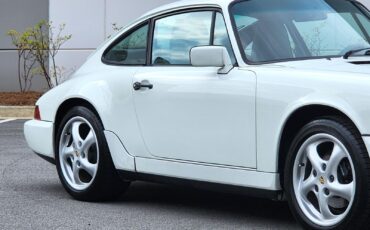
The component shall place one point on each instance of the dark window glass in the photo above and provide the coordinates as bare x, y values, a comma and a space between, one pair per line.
131, 50
274, 30
174, 36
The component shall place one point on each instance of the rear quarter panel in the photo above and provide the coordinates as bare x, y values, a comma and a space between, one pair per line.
109, 90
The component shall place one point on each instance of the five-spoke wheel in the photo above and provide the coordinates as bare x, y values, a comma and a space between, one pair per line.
326, 176
83, 159
324, 179
79, 153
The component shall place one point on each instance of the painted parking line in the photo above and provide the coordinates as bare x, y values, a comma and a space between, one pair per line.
7, 120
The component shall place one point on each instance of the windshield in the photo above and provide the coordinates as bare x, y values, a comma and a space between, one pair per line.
277, 30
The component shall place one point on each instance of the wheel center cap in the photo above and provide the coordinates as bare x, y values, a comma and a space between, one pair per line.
322, 180
77, 153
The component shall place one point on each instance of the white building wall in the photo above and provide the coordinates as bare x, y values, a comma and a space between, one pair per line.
18, 15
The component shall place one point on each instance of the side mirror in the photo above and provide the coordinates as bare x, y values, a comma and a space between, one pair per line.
211, 56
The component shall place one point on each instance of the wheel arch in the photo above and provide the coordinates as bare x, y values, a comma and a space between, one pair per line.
69, 104
296, 120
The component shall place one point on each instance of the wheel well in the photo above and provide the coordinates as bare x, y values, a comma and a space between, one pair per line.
69, 104
295, 122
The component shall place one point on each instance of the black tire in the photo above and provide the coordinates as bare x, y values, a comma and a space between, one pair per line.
359, 213
106, 185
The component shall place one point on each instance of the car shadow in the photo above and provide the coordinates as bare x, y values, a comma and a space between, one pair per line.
190, 199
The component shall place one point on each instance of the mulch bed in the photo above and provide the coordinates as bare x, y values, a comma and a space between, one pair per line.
18, 99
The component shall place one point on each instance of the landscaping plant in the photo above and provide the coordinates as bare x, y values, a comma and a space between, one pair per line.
39, 45
26, 61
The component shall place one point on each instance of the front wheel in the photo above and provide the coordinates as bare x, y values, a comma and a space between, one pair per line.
327, 176
83, 161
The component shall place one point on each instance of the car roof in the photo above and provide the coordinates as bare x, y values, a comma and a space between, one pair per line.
186, 4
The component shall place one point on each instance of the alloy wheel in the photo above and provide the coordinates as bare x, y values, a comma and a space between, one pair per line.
78, 153
324, 179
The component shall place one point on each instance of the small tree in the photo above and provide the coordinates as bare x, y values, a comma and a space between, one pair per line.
45, 45
26, 61
39, 45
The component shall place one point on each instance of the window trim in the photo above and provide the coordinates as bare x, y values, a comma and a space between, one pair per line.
227, 33
366, 13
123, 36
213, 28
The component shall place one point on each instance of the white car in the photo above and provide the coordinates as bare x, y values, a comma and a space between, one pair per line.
264, 97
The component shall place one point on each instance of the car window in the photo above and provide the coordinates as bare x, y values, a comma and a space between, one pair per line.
244, 24
322, 38
351, 20
221, 37
270, 31
131, 50
364, 21
174, 36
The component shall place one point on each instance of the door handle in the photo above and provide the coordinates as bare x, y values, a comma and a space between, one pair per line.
139, 85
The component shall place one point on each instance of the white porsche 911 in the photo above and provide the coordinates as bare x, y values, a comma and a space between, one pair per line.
265, 97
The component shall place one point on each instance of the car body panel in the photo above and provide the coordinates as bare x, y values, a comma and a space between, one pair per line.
99, 91
121, 158
39, 136
280, 89
186, 103
210, 173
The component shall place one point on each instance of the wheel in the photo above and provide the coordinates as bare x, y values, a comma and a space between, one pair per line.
326, 177
83, 161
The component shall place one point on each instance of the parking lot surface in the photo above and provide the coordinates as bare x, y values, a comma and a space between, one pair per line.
31, 197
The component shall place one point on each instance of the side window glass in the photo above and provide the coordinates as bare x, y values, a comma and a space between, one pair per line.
174, 36
221, 37
131, 50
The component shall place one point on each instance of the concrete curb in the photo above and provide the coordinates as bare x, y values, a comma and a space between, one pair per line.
19, 112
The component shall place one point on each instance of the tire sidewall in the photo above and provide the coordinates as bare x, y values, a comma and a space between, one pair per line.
103, 150
350, 141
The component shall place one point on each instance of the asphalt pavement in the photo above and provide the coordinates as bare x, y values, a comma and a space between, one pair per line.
31, 197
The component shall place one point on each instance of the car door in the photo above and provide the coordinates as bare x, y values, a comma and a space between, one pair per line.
193, 113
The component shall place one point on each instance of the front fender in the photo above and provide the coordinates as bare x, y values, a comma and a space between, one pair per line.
281, 92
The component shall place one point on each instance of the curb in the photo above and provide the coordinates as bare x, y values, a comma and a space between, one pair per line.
19, 112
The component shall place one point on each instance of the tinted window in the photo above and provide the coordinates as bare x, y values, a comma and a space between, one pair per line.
325, 38
174, 36
274, 30
131, 50
364, 21
221, 37
244, 22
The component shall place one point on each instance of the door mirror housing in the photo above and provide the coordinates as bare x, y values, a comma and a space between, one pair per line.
211, 56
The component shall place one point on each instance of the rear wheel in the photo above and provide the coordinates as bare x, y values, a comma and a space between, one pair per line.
83, 160
327, 176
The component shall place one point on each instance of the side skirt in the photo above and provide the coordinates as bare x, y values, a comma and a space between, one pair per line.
261, 193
